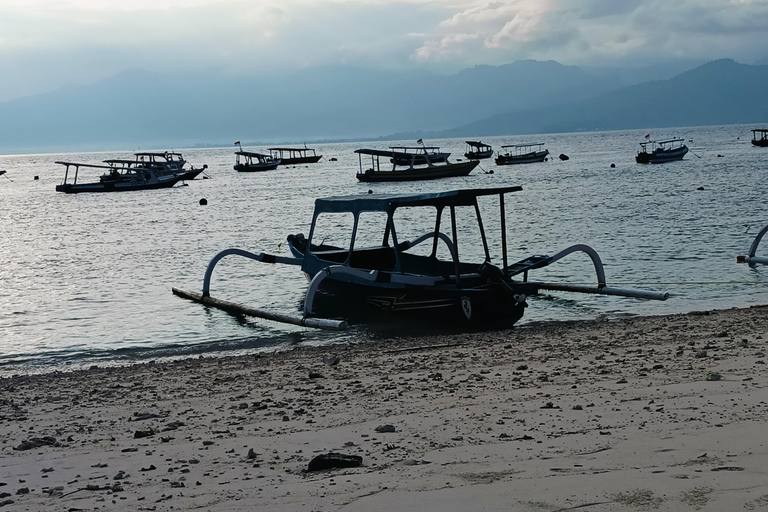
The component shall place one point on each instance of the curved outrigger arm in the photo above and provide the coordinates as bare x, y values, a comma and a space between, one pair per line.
751, 258
601, 288
266, 258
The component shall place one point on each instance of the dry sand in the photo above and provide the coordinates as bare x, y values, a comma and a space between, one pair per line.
656, 413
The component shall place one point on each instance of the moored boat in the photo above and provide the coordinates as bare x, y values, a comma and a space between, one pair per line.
370, 273
476, 150
522, 153
116, 179
254, 162
293, 156
760, 137
407, 166
417, 155
656, 152
167, 163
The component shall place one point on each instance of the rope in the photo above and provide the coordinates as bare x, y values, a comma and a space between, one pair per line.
669, 283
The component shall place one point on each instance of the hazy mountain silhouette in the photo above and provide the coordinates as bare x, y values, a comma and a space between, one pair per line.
719, 92
139, 109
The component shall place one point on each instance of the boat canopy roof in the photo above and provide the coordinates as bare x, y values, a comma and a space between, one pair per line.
760, 130
159, 155
477, 144
527, 145
388, 202
419, 148
670, 140
252, 154
291, 149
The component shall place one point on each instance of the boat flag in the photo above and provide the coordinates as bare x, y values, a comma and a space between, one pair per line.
648, 136
419, 141
237, 143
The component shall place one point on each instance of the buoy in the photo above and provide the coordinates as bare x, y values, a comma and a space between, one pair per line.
203, 202
563, 157
613, 166
370, 191
37, 177
700, 188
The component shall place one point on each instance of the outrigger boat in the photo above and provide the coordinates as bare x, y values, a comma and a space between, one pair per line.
254, 162
431, 277
293, 156
409, 167
760, 137
116, 179
522, 154
656, 152
417, 155
477, 150
162, 164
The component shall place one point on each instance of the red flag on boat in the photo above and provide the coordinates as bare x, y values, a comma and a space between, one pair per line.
237, 143
648, 136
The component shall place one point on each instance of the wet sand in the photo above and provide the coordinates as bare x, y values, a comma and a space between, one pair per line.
641, 413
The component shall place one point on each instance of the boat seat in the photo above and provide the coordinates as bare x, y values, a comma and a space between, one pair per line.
529, 263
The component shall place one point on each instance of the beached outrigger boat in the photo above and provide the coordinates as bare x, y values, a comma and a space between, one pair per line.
760, 137
254, 162
656, 152
116, 179
162, 164
293, 156
408, 166
417, 155
373, 273
477, 150
522, 154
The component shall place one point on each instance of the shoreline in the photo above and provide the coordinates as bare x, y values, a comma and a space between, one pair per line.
657, 412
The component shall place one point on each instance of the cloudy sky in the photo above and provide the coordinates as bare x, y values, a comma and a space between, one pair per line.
45, 44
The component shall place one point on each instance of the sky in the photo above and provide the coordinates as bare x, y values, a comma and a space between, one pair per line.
48, 44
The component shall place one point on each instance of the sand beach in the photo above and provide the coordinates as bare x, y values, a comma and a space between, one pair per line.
637, 413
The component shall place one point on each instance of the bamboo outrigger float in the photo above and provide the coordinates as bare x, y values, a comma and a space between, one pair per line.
392, 280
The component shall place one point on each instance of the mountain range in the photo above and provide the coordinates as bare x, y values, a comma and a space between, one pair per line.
141, 109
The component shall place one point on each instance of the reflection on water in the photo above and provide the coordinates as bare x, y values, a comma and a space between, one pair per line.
87, 277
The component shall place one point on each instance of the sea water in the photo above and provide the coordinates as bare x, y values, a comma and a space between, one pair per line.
87, 278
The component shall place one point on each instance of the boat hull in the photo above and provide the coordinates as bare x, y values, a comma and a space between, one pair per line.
302, 160
416, 174
257, 168
762, 143
527, 158
661, 156
75, 188
478, 155
485, 305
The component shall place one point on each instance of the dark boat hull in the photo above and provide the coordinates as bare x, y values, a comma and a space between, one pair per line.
485, 305
70, 188
257, 168
417, 174
478, 155
762, 143
302, 160
661, 156
190, 175
527, 158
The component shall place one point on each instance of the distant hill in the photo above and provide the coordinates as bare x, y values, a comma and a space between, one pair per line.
139, 109
719, 92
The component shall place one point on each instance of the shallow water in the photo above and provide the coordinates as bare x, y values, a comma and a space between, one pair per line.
86, 278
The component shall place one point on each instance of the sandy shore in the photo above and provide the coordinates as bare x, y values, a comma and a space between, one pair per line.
652, 413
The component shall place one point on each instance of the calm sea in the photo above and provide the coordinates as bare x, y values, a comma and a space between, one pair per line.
86, 278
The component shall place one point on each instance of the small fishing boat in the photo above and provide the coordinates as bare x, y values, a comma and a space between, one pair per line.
293, 156
409, 166
656, 152
166, 163
116, 179
417, 155
760, 137
254, 162
477, 150
522, 154
372, 274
